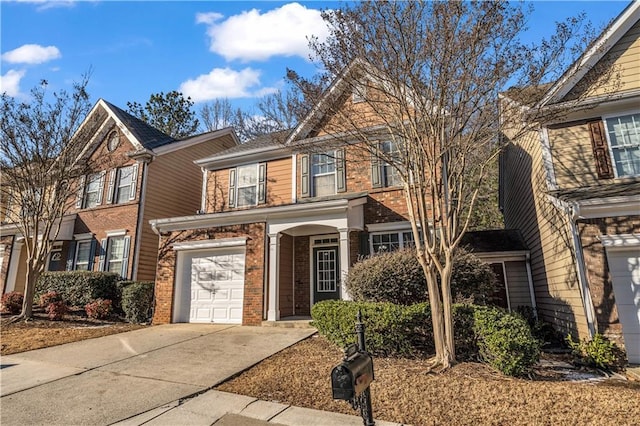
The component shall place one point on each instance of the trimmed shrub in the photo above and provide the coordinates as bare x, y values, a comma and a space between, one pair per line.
394, 277
472, 279
99, 309
137, 301
505, 341
49, 297
11, 302
597, 352
78, 288
391, 330
397, 277
56, 310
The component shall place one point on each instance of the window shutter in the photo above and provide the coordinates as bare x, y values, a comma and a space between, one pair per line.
341, 176
125, 257
101, 187
112, 181
304, 175
103, 254
71, 256
232, 187
134, 180
364, 243
92, 254
262, 183
600, 149
80, 195
376, 176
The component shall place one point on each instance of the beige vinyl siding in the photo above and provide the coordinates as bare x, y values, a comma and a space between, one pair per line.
173, 188
286, 276
546, 232
573, 161
625, 57
278, 186
519, 294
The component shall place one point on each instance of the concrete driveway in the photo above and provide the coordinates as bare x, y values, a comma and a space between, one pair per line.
112, 378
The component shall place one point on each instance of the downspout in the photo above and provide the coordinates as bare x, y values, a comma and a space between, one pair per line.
573, 214
265, 275
136, 251
531, 289
294, 178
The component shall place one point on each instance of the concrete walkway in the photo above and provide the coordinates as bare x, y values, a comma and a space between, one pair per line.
161, 375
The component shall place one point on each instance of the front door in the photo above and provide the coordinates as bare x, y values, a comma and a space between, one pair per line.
326, 273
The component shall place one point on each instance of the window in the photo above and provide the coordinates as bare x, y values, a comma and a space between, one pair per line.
247, 185
391, 241
323, 169
623, 133
83, 256
383, 172
115, 254
390, 174
93, 190
125, 189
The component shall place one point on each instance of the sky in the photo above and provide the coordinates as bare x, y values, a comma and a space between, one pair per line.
238, 50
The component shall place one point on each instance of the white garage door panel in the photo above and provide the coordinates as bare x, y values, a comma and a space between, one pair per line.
216, 285
624, 267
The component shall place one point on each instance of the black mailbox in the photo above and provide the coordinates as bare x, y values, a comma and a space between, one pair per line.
352, 376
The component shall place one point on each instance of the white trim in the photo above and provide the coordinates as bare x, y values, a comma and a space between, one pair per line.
532, 292
82, 237
506, 284
294, 178
273, 313
139, 222
317, 211
116, 233
608, 207
389, 226
499, 256
547, 159
585, 292
14, 263
210, 244
203, 200
620, 241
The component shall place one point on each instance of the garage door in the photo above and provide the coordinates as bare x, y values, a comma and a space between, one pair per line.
624, 266
216, 284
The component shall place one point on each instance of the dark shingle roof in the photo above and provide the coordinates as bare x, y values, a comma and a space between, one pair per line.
148, 136
617, 189
494, 240
272, 140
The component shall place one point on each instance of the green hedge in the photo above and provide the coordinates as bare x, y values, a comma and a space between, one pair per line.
137, 300
505, 341
501, 339
77, 288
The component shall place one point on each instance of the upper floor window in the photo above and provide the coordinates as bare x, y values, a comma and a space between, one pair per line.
93, 190
623, 133
247, 185
323, 169
125, 189
384, 165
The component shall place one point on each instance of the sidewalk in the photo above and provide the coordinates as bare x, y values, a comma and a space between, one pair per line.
161, 375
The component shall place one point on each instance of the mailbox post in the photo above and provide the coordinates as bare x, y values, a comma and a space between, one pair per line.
350, 380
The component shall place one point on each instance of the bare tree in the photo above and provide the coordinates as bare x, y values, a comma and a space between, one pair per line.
217, 115
38, 162
427, 77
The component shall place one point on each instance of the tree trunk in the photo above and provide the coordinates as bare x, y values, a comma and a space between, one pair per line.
29, 291
437, 318
447, 302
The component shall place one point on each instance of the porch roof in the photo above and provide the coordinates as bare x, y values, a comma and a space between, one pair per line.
293, 212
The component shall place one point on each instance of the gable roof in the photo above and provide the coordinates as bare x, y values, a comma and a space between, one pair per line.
146, 136
596, 51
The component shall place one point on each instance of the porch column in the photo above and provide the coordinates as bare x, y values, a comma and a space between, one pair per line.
344, 262
273, 314
14, 263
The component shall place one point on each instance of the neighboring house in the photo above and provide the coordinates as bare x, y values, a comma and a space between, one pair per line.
573, 189
281, 227
139, 174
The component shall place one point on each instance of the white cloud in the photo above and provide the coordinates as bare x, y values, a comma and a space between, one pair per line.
50, 4
255, 36
31, 54
208, 18
223, 83
10, 82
